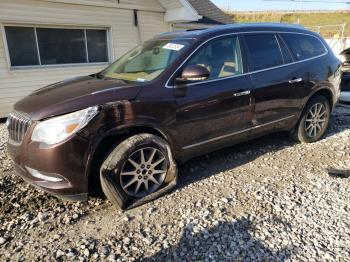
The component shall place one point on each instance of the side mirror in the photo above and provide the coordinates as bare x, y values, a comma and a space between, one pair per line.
193, 73
345, 57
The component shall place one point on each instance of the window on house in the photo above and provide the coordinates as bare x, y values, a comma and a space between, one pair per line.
22, 46
29, 46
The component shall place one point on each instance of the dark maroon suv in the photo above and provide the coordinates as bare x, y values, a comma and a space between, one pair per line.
176, 96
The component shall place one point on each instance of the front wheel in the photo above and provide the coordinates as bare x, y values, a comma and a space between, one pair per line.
138, 170
314, 121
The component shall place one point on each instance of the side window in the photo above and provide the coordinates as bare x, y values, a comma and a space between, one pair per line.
287, 56
263, 50
304, 46
221, 57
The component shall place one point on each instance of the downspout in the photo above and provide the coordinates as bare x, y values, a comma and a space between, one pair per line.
136, 23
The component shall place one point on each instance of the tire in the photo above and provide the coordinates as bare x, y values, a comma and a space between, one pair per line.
303, 132
138, 170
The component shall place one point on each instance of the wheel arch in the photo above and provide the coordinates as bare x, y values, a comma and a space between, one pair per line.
106, 144
326, 92
298, 133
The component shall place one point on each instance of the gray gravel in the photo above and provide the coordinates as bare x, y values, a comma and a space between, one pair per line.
268, 199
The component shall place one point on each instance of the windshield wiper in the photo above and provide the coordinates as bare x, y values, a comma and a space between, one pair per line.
99, 76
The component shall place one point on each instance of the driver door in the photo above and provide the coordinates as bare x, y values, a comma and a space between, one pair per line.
217, 110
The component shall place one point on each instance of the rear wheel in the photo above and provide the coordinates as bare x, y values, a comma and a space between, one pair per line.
314, 121
138, 170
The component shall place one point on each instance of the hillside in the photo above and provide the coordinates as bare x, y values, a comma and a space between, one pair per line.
307, 19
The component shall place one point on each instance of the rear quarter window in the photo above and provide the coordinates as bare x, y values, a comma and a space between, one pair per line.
304, 46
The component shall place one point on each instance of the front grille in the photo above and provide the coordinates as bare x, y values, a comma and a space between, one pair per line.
17, 125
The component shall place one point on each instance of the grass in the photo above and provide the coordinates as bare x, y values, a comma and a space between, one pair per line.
309, 20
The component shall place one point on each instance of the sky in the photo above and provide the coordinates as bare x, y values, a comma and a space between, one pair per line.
261, 5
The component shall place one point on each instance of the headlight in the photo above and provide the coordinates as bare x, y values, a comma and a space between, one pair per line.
57, 129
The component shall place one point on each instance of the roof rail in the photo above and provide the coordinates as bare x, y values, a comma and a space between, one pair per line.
196, 29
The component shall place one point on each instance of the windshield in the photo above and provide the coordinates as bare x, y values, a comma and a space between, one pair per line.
147, 61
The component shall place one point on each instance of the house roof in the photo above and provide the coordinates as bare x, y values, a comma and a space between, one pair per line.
210, 12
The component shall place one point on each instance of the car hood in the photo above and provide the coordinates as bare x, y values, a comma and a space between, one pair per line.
75, 94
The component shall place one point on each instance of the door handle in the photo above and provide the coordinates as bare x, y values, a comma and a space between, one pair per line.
243, 93
295, 80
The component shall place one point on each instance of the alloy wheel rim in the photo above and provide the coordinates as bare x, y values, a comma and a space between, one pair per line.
143, 172
315, 120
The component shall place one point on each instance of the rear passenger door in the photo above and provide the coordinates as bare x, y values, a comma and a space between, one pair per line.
277, 87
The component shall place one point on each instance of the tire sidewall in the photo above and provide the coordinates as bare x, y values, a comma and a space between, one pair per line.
114, 163
301, 129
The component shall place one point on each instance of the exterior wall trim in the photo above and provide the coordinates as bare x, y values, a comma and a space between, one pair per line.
187, 13
7, 53
107, 4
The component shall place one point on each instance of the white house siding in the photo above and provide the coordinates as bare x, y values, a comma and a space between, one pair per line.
16, 83
171, 4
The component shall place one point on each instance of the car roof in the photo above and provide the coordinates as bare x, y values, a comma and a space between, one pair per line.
233, 28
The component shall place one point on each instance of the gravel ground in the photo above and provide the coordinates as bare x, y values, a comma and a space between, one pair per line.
268, 199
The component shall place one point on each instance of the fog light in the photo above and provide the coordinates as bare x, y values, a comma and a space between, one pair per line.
37, 174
